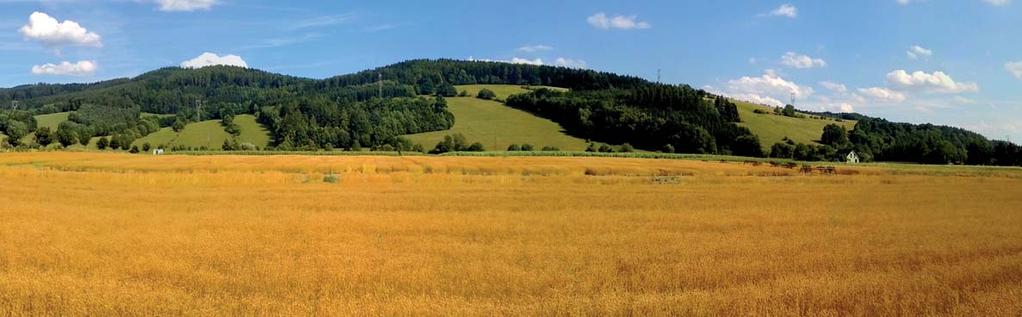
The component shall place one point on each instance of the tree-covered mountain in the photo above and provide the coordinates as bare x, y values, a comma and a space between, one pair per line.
348, 111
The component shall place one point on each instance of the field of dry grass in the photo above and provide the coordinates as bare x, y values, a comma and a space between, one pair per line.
116, 234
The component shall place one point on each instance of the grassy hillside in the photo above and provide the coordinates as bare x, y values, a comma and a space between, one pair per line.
51, 120
210, 134
252, 131
497, 126
773, 128
164, 136
502, 91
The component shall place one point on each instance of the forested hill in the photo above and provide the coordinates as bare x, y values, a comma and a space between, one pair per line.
347, 111
429, 75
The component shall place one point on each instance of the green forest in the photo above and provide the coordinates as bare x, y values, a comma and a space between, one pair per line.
374, 107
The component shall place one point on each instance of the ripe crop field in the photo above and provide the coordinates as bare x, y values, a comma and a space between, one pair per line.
117, 234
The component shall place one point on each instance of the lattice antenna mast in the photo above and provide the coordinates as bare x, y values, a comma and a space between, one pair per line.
657, 75
792, 98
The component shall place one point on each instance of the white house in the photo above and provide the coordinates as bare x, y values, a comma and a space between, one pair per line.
852, 158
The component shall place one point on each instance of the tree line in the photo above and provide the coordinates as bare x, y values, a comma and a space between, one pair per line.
652, 116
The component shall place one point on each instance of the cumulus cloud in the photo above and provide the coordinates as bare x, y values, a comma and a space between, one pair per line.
65, 68
1015, 68
210, 59
998, 3
931, 82
47, 30
602, 21
185, 5
792, 59
537, 61
785, 10
534, 48
767, 89
835, 87
571, 63
882, 94
919, 52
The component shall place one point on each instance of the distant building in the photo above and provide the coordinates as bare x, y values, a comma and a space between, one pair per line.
852, 158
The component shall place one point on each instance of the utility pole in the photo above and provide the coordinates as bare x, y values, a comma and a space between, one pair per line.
198, 110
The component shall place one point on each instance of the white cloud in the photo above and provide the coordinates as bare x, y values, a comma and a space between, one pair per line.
768, 89
210, 59
46, 29
998, 3
81, 68
527, 61
785, 10
620, 22
571, 63
835, 87
882, 94
919, 52
534, 48
322, 21
1015, 68
907, 2
792, 59
185, 5
846, 108
932, 82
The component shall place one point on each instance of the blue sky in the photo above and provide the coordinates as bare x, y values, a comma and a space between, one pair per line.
953, 62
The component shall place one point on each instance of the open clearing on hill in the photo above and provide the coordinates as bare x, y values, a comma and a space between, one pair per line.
773, 128
52, 120
117, 234
497, 126
251, 131
502, 91
210, 134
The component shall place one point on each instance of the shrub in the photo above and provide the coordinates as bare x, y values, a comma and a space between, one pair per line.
550, 149
486, 94
627, 148
528, 147
668, 148
331, 178
605, 149
476, 147
146, 147
514, 148
134, 149
102, 143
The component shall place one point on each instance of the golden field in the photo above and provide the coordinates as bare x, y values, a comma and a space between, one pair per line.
114, 234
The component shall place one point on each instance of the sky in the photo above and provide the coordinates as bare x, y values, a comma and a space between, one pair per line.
948, 62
